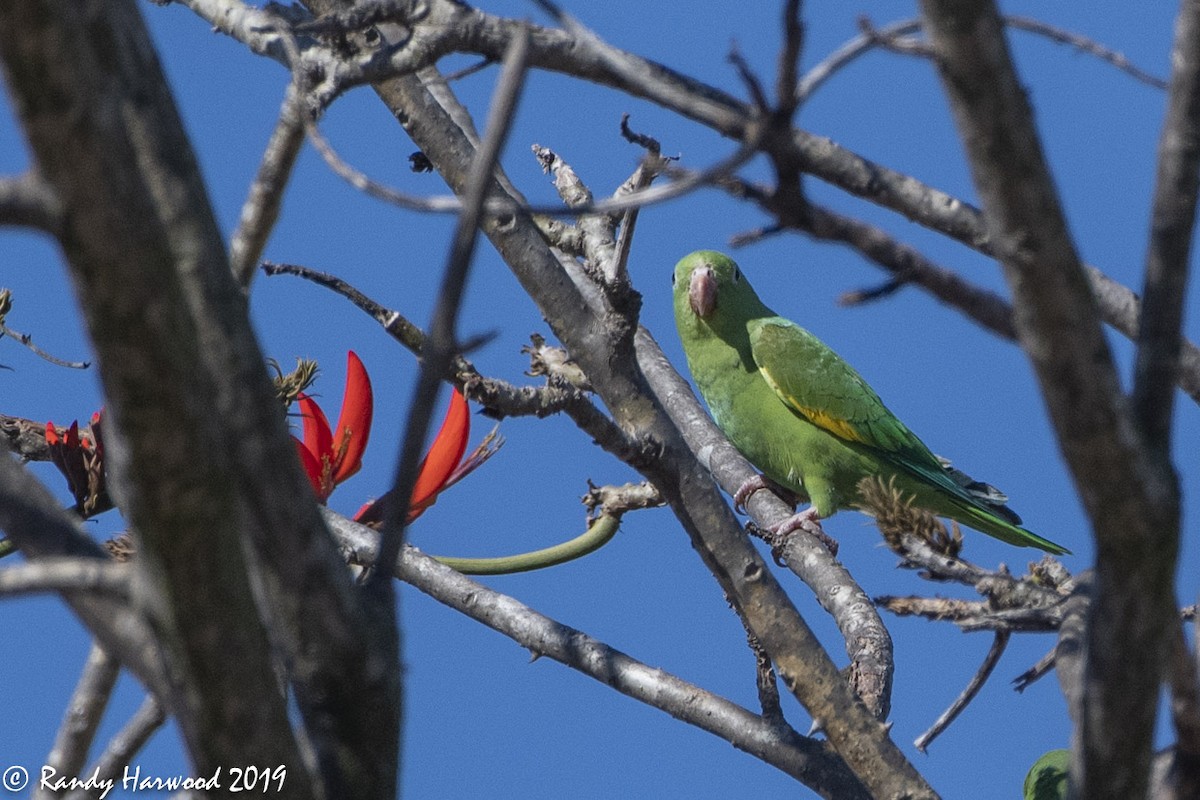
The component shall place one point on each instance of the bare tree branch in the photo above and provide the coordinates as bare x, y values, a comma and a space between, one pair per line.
28, 200
1170, 243
123, 747
38, 525
1085, 45
603, 351
82, 718
1058, 325
968, 694
202, 450
25, 437
867, 641
578, 52
1184, 684
803, 758
67, 575
262, 206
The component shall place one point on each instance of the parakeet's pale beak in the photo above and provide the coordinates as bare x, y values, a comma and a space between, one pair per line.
702, 292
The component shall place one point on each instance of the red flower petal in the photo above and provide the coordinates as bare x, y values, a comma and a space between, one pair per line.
52, 437
312, 468
443, 456
354, 423
317, 436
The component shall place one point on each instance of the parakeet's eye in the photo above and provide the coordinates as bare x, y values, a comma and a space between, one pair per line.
672, 277
737, 274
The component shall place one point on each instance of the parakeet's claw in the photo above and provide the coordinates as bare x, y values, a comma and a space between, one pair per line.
749, 487
760, 481
808, 521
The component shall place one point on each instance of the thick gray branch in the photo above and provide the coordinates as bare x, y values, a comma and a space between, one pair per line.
1058, 325
867, 641
1172, 219
208, 476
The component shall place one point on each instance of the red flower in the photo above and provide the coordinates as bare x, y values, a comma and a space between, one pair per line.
330, 457
443, 465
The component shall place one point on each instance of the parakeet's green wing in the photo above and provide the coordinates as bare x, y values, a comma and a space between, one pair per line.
817, 384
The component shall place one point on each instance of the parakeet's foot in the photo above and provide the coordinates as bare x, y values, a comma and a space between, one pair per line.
760, 481
809, 521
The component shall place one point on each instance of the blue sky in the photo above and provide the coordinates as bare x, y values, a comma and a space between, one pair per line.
481, 719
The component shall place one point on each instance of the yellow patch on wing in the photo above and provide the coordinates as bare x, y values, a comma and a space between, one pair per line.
822, 419
838, 427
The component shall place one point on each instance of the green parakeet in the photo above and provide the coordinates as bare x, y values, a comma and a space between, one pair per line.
804, 417
1047, 779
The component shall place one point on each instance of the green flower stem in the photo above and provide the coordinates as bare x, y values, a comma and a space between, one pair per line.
598, 534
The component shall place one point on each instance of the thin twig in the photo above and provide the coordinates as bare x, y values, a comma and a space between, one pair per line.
498, 397
27, 340
871, 38
1036, 672
968, 694
904, 45
1085, 45
651, 165
261, 209
847, 53
442, 344
479, 66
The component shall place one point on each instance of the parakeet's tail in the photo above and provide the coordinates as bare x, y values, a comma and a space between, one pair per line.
986, 521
